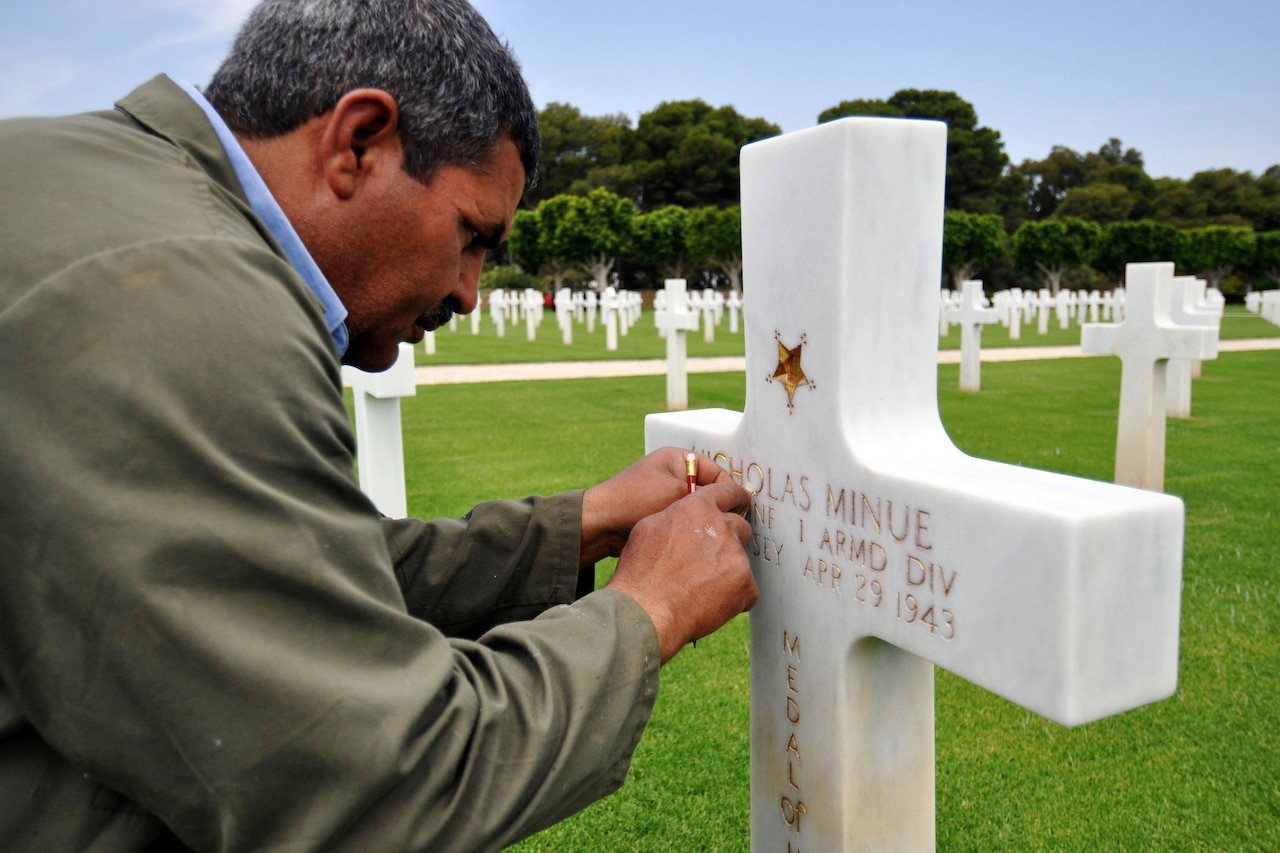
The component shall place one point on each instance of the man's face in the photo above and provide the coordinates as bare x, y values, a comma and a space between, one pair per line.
415, 256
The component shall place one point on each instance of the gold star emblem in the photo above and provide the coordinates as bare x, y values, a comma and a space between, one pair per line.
789, 371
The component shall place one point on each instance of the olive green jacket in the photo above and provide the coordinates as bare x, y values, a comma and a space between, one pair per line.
208, 637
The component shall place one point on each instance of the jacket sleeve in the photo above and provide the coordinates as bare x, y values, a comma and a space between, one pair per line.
502, 562
199, 608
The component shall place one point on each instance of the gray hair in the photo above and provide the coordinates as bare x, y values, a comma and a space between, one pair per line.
459, 89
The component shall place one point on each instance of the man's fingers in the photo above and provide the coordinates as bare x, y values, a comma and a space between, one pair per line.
728, 496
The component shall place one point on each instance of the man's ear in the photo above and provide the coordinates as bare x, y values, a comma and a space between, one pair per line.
359, 138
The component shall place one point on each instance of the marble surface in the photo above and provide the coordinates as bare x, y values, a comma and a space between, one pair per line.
879, 547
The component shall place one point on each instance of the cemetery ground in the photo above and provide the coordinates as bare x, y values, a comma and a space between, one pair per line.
1198, 771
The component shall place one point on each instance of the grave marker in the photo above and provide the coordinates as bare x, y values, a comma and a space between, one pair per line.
609, 316
379, 442
676, 321
880, 548
970, 316
1145, 340
1186, 309
734, 304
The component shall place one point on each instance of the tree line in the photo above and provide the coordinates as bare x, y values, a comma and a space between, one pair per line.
637, 204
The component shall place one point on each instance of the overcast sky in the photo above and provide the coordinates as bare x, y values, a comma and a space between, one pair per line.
1193, 85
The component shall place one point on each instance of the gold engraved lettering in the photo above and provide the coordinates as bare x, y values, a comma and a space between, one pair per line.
791, 682
762, 515
802, 530
804, 490
906, 523
792, 812
751, 487
921, 527
794, 747
791, 645
793, 711
884, 558
946, 585
791, 776
808, 570
911, 576
835, 507
875, 513
836, 574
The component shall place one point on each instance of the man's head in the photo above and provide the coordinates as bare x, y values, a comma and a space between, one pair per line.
423, 85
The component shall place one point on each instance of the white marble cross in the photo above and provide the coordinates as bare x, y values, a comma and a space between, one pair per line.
1269, 306
676, 320
1017, 304
971, 315
1044, 301
1145, 341
564, 314
734, 304
379, 442
609, 316
1188, 309
881, 549
498, 312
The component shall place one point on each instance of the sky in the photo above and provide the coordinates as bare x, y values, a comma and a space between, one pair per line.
1193, 85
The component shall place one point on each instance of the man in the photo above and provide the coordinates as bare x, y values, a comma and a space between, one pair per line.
209, 639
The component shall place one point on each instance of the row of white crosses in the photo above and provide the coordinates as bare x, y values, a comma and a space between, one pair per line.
619, 311
1015, 306
1266, 303
710, 304
880, 549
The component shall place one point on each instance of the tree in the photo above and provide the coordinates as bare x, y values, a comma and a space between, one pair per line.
598, 228
978, 175
971, 242
1051, 179
1215, 251
580, 153
686, 153
658, 240
539, 242
1101, 203
714, 238
1266, 256
1136, 242
1055, 246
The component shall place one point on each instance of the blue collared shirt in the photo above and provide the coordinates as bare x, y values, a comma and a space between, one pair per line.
264, 204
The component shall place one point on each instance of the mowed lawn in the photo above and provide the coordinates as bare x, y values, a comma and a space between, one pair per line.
1198, 771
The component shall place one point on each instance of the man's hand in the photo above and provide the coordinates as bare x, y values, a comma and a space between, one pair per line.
611, 509
680, 555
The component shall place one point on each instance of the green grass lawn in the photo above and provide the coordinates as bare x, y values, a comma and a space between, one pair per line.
461, 347
1199, 771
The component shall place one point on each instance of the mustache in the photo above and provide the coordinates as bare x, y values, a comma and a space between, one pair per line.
440, 315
